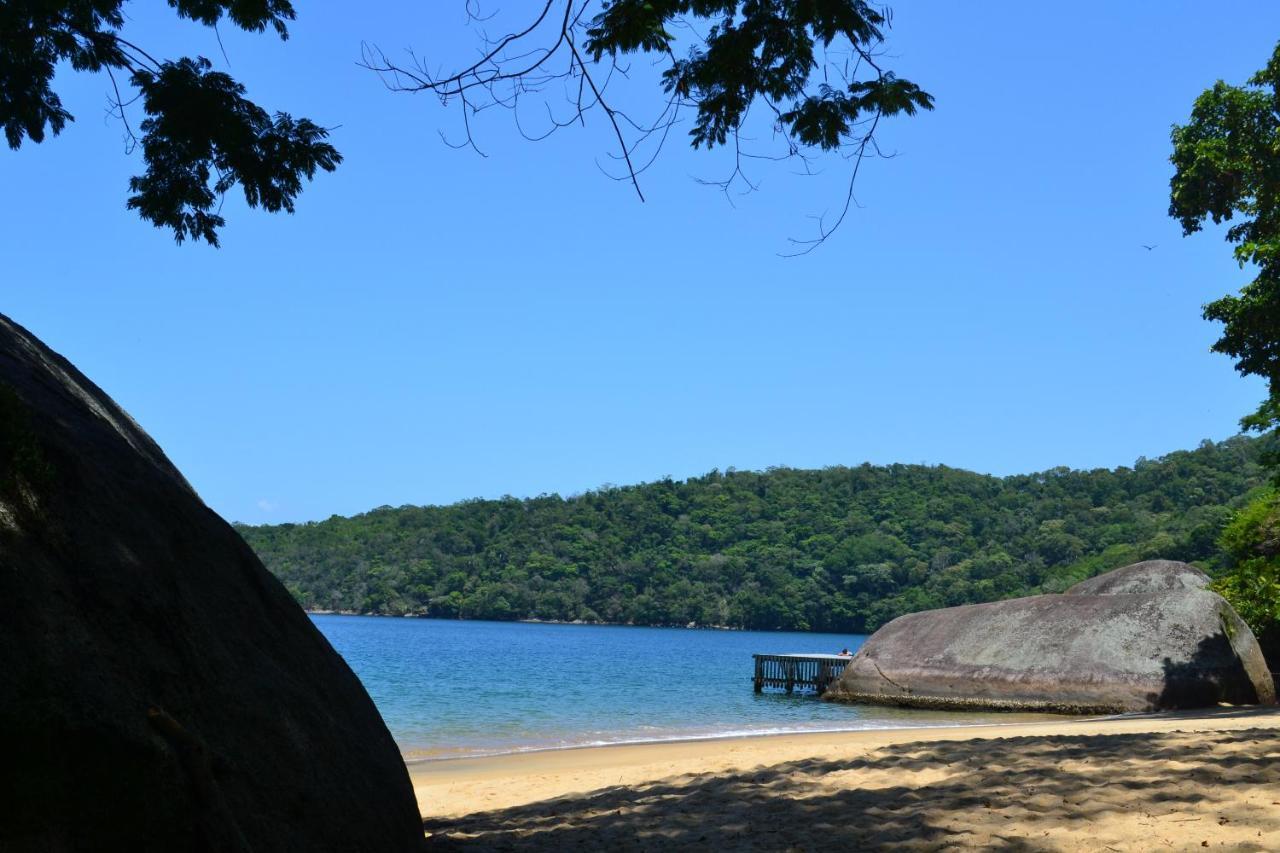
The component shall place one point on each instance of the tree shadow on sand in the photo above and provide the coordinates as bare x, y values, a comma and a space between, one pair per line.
1021, 793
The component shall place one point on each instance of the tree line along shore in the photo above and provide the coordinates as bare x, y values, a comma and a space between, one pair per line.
842, 549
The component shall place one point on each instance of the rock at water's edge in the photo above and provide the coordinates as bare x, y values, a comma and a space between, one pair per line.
159, 689
1079, 653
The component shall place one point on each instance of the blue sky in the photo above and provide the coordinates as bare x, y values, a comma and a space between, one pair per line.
432, 325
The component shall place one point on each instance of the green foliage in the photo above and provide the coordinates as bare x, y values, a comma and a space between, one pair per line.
810, 71
1252, 585
837, 549
763, 51
199, 124
1227, 161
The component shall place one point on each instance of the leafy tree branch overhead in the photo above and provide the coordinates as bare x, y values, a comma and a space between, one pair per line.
201, 136
813, 68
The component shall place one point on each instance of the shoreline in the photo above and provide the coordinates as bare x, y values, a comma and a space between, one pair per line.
689, 627
455, 787
1182, 780
1014, 718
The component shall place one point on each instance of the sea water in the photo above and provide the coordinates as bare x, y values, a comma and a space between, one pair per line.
460, 688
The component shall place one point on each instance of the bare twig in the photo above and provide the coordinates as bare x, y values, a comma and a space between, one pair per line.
547, 50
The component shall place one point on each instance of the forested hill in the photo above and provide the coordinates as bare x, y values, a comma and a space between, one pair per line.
840, 549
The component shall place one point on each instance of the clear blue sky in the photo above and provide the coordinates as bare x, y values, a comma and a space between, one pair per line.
432, 326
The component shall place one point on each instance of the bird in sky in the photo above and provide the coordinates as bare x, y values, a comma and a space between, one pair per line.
1149, 248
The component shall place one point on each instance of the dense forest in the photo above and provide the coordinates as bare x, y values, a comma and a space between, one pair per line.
837, 549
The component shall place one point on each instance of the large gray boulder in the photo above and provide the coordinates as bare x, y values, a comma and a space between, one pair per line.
1141, 638
159, 689
1147, 576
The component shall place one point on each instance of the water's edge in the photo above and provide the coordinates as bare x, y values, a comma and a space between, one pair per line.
471, 688
691, 626
413, 757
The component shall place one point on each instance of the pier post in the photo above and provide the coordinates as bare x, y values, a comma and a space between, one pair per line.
788, 672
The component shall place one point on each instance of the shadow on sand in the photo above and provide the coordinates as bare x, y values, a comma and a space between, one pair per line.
1018, 793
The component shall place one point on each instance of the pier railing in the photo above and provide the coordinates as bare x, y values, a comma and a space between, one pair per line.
788, 672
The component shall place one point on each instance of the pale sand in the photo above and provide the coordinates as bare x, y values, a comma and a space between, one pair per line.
1174, 781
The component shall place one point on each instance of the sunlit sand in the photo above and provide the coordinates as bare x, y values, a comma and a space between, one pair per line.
1152, 782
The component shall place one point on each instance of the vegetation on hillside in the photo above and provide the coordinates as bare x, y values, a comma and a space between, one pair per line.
1252, 582
837, 549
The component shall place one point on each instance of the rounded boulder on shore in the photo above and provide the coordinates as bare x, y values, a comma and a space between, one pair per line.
1141, 638
159, 689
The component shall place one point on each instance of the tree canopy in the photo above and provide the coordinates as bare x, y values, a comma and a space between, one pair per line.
814, 70
1227, 169
201, 136
1252, 582
840, 549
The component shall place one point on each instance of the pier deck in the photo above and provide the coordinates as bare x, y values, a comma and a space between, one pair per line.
791, 671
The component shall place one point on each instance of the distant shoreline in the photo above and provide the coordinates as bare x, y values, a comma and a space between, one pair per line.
689, 627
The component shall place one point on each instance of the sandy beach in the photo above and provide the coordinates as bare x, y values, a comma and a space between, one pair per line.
1166, 781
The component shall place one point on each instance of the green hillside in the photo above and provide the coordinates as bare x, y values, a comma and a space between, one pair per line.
837, 549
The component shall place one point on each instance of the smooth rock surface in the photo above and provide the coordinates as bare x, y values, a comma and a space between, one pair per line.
1172, 646
1147, 576
159, 689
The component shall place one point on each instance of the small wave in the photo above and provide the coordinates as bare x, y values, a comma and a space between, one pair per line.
417, 756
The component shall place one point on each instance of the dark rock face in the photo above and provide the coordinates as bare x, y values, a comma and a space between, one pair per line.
1170, 645
159, 690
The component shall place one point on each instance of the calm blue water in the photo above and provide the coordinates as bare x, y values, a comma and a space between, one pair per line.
450, 688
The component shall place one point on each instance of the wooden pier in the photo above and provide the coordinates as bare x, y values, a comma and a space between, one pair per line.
791, 671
